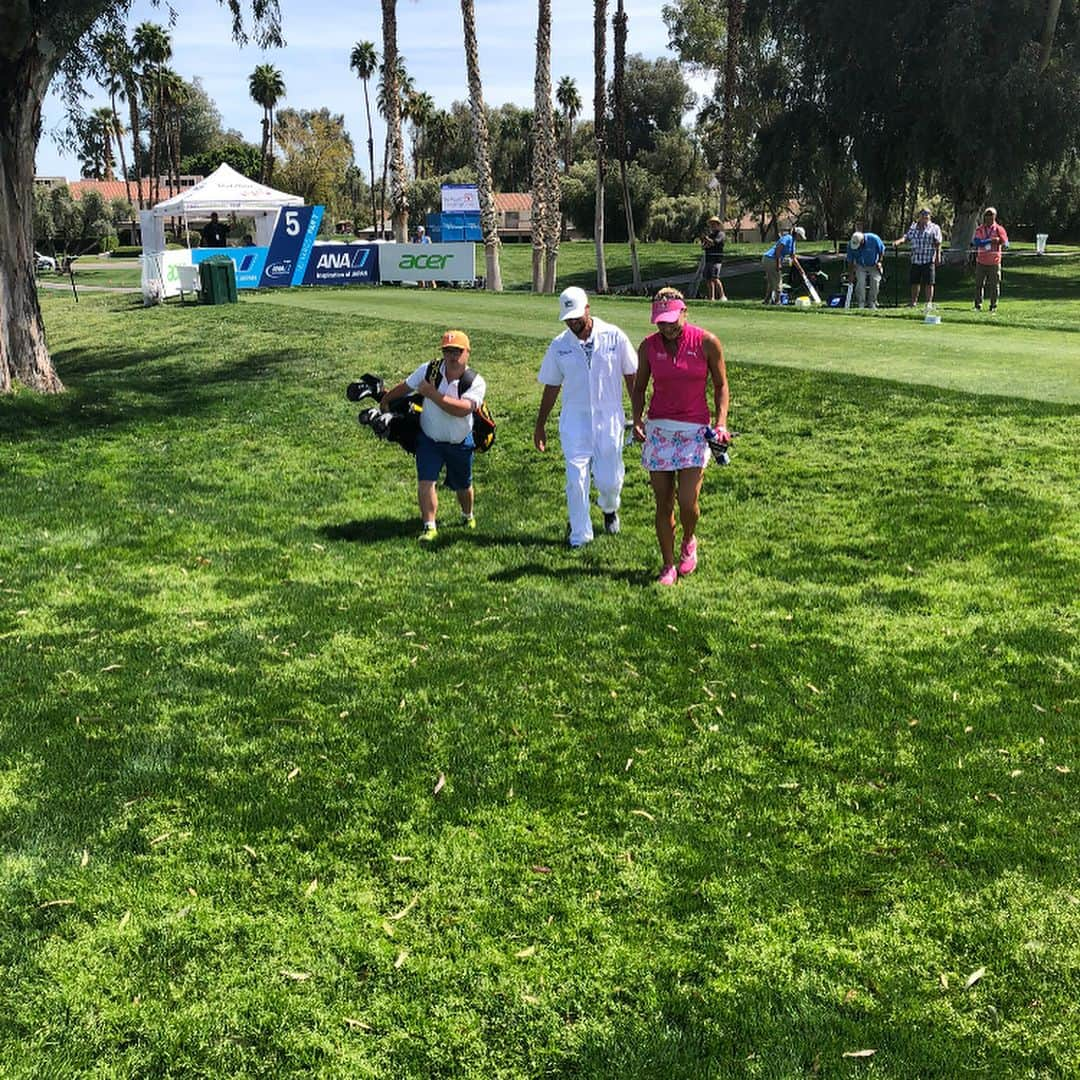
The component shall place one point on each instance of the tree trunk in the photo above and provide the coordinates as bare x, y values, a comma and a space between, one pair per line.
1046, 42
481, 148
398, 195
733, 32
544, 165
969, 201
136, 142
23, 353
621, 20
118, 132
371, 152
599, 118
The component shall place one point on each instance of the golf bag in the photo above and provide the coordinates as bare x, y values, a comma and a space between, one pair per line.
400, 423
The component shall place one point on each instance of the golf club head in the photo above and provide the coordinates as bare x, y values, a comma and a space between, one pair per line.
365, 386
367, 417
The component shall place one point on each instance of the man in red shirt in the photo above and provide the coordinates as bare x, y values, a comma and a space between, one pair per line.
989, 242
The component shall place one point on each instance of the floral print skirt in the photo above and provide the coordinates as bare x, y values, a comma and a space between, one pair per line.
670, 447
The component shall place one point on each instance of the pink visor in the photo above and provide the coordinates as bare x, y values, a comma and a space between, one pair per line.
667, 310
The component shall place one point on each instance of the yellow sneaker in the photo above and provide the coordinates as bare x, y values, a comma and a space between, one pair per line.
468, 522
429, 535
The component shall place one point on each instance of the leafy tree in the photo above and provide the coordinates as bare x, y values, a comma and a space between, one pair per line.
657, 97
41, 40
242, 156
199, 119
419, 109
570, 102
316, 150
579, 199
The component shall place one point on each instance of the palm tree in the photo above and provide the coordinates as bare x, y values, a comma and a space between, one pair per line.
152, 49
116, 59
267, 88
545, 175
174, 97
396, 154
132, 78
419, 109
105, 129
618, 80
482, 152
570, 102
599, 118
363, 61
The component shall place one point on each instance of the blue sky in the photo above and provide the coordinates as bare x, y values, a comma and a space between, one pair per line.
320, 35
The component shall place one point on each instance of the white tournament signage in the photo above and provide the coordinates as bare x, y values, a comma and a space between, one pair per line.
460, 198
427, 262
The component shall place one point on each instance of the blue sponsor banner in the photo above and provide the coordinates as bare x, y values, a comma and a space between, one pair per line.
249, 263
343, 264
286, 259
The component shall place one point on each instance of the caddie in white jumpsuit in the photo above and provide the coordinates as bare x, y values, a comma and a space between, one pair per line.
591, 361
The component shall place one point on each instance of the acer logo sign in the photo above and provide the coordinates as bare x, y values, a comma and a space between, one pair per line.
424, 262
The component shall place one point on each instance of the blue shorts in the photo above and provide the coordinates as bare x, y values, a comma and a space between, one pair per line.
431, 456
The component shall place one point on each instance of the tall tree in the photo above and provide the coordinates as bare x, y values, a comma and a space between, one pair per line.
38, 41
404, 84
116, 61
267, 88
545, 168
398, 194
419, 109
363, 60
153, 48
316, 152
618, 85
570, 102
599, 126
174, 97
482, 150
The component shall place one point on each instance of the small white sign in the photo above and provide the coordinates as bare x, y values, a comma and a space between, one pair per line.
460, 198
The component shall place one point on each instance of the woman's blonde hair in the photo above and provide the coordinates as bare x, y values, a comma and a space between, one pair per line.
668, 292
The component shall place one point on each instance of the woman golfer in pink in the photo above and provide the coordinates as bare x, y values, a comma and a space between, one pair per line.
680, 359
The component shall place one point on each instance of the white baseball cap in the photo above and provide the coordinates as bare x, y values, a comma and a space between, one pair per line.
572, 303
800, 232
856, 240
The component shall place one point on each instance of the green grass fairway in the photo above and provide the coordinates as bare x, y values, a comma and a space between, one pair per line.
283, 794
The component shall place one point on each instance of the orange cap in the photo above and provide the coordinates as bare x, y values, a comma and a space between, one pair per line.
455, 339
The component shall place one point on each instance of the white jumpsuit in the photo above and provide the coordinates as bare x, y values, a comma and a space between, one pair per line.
592, 420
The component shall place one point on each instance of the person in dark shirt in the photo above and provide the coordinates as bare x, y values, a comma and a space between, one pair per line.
214, 233
713, 245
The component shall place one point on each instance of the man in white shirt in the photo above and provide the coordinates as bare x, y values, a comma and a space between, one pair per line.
446, 423
590, 360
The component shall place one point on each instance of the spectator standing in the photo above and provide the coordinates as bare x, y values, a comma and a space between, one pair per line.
773, 262
864, 254
712, 244
590, 360
990, 241
423, 238
925, 239
215, 233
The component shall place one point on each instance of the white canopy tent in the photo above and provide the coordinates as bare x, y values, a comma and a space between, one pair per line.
225, 191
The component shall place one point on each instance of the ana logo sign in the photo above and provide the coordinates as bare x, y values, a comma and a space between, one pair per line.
334, 260
280, 269
245, 263
424, 262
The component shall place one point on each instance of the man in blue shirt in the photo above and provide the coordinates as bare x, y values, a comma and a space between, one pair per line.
864, 254
773, 262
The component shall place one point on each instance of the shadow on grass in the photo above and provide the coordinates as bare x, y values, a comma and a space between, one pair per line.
146, 388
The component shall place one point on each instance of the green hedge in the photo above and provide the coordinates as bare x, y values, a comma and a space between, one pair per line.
129, 252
